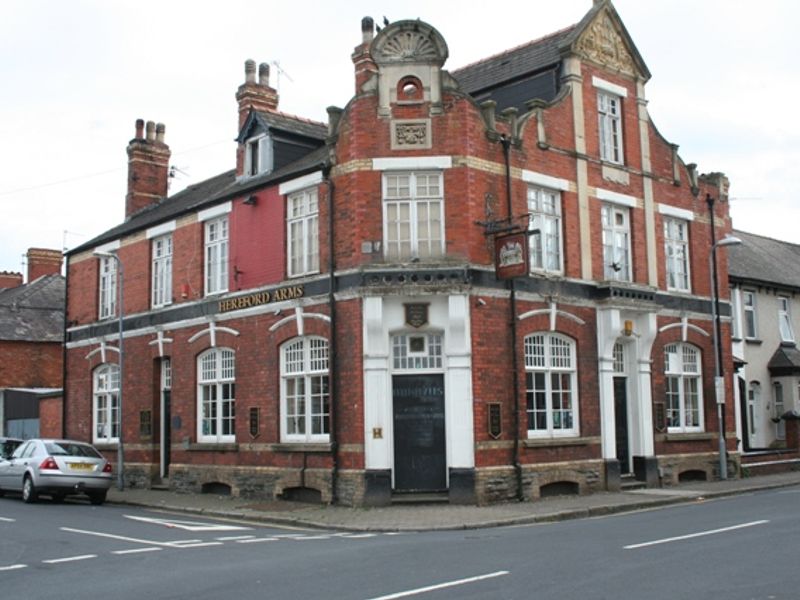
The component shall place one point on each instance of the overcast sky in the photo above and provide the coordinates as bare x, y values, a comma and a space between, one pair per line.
75, 75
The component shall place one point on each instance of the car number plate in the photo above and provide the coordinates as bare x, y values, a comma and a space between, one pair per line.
81, 466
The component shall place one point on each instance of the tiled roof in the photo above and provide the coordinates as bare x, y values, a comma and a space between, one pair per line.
509, 65
33, 312
764, 260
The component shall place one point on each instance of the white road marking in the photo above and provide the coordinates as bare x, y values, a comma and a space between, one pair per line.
189, 525
358, 536
12, 567
235, 538
126, 538
440, 586
694, 535
310, 537
257, 540
200, 545
7, 520
55, 561
136, 550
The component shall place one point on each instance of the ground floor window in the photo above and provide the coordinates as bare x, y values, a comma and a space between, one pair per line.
216, 393
105, 410
305, 394
682, 378
551, 386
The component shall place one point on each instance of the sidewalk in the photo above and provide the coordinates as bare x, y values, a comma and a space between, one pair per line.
422, 517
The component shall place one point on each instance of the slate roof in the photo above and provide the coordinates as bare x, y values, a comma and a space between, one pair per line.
514, 63
33, 312
764, 260
286, 123
785, 361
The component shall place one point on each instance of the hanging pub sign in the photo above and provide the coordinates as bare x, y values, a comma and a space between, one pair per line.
511, 255
416, 314
495, 420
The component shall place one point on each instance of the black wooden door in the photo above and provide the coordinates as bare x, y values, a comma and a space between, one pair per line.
420, 464
166, 431
621, 421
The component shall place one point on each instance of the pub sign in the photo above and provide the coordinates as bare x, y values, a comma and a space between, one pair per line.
511, 255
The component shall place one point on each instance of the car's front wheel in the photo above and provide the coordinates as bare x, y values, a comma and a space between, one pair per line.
97, 498
29, 494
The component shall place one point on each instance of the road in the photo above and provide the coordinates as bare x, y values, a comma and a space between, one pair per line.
743, 547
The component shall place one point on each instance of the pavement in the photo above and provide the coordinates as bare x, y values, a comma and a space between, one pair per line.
430, 517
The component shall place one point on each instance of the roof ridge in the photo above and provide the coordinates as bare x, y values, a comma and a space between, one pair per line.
292, 116
764, 237
517, 47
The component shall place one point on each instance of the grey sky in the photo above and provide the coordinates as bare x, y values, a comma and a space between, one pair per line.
77, 74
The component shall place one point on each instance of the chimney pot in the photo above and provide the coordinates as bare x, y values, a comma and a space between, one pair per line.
150, 128
263, 75
367, 29
139, 129
249, 71
160, 130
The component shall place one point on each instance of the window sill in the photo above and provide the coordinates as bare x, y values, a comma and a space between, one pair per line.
753, 341
558, 441
321, 447
106, 445
212, 447
688, 437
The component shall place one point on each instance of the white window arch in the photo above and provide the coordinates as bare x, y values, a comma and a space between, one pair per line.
105, 404
551, 385
684, 392
216, 396
305, 391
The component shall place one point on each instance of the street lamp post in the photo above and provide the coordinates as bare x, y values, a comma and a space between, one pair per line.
120, 451
719, 379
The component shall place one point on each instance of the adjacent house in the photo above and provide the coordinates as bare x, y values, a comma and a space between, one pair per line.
484, 284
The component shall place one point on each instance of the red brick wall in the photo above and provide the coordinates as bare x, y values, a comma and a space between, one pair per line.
50, 420
30, 364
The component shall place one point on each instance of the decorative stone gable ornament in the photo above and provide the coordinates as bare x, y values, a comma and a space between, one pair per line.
602, 44
409, 42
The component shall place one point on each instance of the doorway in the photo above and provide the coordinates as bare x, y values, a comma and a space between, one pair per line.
621, 424
420, 462
165, 433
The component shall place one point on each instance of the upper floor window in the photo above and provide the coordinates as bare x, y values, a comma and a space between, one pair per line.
676, 249
108, 287
258, 155
609, 108
785, 320
216, 255
162, 270
683, 389
305, 395
750, 322
544, 207
105, 404
216, 396
302, 232
551, 385
413, 215
616, 242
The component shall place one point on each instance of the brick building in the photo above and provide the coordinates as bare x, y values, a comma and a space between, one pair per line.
31, 346
344, 314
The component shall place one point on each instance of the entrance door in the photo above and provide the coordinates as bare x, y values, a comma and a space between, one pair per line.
621, 422
420, 464
166, 415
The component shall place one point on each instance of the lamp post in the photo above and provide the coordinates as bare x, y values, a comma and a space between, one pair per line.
120, 452
719, 379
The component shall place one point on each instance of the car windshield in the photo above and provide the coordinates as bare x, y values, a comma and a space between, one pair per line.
70, 449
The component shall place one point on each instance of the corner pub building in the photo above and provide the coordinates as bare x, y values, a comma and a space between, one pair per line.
350, 314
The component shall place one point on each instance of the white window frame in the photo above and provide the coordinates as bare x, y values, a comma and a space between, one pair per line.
161, 252
305, 390
258, 156
107, 287
216, 245
546, 247
410, 232
302, 232
750, 315
683, 369
676, 252
554, 356
609, 114
616, 242
216, 396
105, 404
785, 319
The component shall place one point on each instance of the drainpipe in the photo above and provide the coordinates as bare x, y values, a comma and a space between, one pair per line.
506, 143
332, 375
64, 356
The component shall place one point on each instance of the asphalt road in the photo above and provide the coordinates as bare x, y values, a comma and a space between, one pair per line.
743, 547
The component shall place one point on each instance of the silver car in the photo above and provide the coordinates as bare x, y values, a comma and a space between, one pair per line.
56, 468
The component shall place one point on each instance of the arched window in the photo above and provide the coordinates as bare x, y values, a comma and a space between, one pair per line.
105, 404
551, 385
216, 394
305, 395
682, 376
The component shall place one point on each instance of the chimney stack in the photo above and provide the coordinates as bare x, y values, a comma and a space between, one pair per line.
255, 96
42, 261
9, 279
362, 59
148, 167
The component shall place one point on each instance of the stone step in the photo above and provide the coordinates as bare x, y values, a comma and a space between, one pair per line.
420, 498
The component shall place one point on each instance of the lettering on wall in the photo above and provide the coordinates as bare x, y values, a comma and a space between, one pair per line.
287, 293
